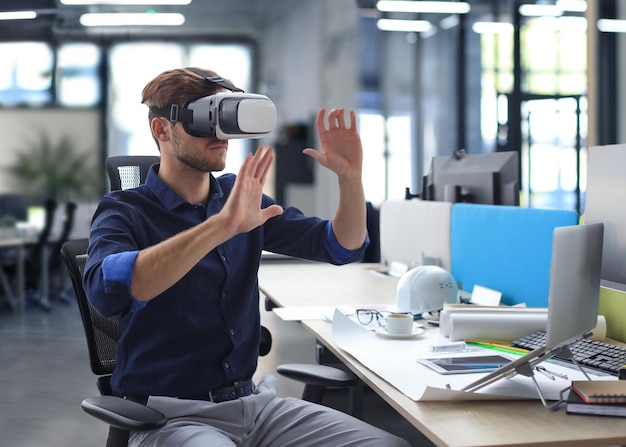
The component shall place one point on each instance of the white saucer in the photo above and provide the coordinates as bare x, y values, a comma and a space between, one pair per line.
416, 331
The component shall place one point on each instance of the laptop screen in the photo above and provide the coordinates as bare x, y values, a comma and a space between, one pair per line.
574, 282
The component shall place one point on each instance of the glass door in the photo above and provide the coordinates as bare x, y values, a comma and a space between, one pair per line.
553, 155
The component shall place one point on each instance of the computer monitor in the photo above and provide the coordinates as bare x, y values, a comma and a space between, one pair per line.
488, 178
14, 205
604, 202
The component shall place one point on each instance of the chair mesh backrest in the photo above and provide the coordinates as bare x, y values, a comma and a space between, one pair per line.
129, 171
130, 176
101, 333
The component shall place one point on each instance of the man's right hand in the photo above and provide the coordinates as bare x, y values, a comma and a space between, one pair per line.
242, 211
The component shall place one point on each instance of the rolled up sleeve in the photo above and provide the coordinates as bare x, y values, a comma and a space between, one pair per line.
108, 285
340, 254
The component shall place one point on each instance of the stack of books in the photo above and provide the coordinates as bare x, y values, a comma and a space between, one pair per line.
597, 397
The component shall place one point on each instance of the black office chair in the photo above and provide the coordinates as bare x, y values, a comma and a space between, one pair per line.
102, 335
128, 171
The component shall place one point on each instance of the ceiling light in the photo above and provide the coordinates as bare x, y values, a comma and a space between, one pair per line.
130, 19
126, 2
540, 10
492, 27
612, 26
18, 15
572, 5
423, 7
410, 26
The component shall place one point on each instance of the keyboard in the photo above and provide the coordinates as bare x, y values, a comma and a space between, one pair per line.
592, 354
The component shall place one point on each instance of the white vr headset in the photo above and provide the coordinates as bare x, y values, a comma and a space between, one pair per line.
223, 115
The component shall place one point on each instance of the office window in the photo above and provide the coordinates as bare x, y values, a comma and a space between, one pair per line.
77, 75
372, 131
400, 133
25, 73
553, 85
554, 55
386, 155
131, 70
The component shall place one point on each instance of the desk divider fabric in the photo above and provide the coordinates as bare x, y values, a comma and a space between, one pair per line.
505, 248
412, 228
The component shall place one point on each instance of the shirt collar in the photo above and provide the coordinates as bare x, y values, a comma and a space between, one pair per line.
168, 197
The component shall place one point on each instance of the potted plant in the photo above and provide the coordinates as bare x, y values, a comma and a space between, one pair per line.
45, 168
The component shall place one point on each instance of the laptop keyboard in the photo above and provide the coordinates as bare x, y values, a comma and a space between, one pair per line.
593, 354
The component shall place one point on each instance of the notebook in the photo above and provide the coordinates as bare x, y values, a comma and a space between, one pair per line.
573, 301
575, 405
600, 391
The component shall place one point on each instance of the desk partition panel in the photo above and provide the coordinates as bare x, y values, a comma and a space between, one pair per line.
505, 248
412, 228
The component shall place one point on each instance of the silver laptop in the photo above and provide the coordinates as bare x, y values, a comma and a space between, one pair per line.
573, 301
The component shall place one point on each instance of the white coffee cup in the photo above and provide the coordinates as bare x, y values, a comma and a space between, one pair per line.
398, 324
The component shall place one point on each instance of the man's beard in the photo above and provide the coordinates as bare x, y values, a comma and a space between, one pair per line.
193, 158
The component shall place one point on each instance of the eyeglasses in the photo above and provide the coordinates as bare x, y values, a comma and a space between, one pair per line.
367, 316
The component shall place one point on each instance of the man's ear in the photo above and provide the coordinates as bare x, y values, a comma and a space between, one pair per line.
160, 128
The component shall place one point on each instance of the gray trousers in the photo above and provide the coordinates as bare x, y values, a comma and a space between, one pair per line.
259, 420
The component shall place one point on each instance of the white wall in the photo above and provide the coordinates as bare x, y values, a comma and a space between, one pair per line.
308, 58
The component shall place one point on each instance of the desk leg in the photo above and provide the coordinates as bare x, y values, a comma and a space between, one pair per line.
43, 287
8, 292
21, 281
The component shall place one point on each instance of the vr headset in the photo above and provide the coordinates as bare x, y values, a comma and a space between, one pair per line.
223, 115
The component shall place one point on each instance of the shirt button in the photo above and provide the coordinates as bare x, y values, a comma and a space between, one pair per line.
224, 258
226, 365
232, 332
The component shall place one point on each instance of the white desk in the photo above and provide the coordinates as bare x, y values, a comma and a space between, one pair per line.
463, 424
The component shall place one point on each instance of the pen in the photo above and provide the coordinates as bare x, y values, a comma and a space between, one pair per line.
499, 347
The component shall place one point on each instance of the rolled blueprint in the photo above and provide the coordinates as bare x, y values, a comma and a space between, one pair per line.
505, 326
495, 326
445, 322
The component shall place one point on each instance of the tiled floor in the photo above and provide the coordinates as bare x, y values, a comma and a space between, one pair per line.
44, 375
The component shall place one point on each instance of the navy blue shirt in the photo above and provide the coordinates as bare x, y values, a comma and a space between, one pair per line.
204, 331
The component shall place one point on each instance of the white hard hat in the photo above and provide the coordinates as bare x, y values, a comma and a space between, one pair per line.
426, 289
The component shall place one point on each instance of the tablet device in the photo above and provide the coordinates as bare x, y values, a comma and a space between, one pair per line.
465, 364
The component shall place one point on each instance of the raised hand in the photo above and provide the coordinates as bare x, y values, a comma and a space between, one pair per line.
243, 208
341, 150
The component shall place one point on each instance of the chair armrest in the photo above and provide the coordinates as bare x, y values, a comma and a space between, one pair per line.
124, 414
318, 375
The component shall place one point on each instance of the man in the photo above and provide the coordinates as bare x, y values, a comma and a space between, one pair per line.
177, 259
